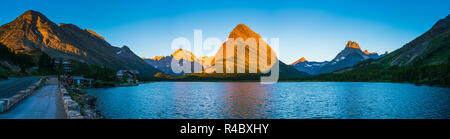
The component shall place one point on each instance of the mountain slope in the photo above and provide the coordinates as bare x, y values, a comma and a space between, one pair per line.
33, 34
430, 48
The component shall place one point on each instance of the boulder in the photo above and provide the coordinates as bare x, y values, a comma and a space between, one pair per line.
72, 105
74, 115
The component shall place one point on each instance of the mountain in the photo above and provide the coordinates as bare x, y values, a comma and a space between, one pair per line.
182, 56
424, 60
353, 47
207, 61
251, 56
244, 32
385, 54
310, 67
33, 33
351, 55
430, 48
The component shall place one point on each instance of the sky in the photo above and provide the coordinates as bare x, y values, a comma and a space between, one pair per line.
314, 29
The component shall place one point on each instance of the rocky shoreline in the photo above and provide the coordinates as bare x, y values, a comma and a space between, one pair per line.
78, 104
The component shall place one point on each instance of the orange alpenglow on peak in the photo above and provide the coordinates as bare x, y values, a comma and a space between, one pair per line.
252, 57
31, 15
157, 58
177, 51
94, 33
184, 54
366, 52
352, 44
244, 32
301, 60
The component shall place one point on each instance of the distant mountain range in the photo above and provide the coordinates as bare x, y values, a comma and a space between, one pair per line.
351, 55
163, 63
424, 60
209, 62
34, 34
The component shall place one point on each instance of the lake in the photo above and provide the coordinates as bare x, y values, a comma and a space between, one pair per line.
283, 100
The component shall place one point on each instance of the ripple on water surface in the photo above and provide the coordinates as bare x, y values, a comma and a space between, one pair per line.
291, 100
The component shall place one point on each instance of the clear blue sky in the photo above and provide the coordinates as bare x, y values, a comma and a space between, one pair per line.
315, 29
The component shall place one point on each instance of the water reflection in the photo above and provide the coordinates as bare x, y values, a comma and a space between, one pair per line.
246, 100
281, 100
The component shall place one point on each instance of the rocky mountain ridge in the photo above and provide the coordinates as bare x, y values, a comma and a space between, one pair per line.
348, 57
33, 33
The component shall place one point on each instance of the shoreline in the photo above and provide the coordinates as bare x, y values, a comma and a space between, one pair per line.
137, 99
79, 104
416, 84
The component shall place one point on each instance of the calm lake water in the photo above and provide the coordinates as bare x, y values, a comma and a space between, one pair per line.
292, 100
